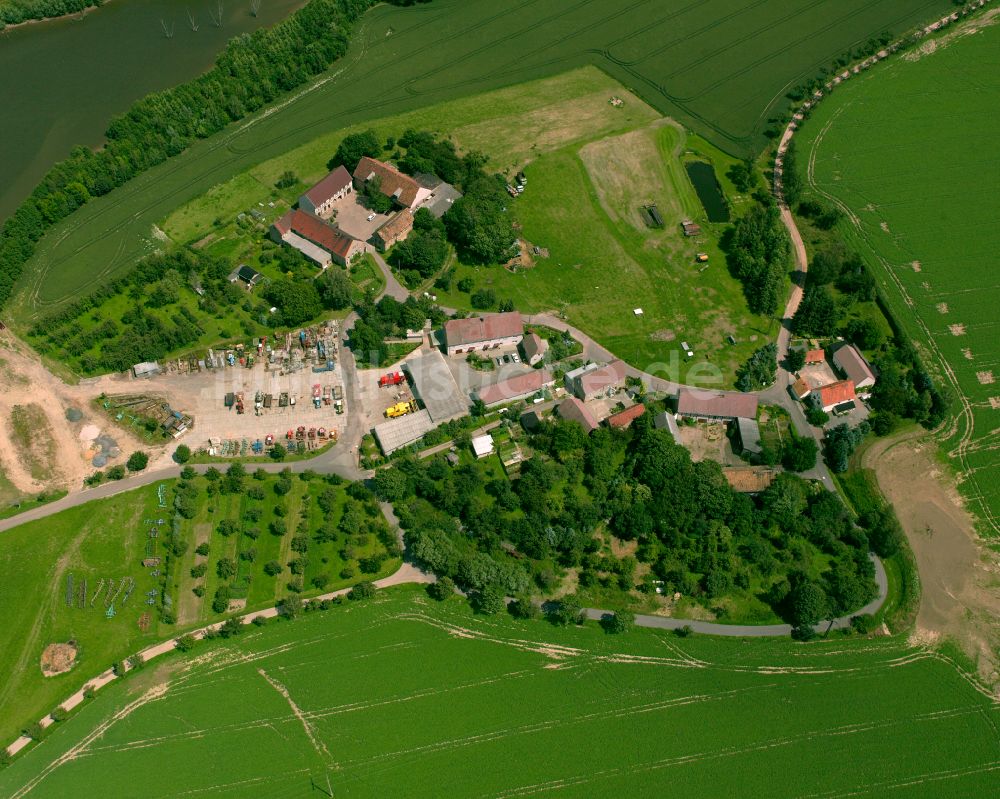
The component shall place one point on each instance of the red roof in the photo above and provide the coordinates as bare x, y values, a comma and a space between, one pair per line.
459, 332
624, 418
836, 393
610, 374
315, 230
395, 184
815, 356
400, 224
330, 185
575, 411
515, 387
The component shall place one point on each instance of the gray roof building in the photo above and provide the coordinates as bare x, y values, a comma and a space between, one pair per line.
396, 433
435, 386
666, 421
749, 433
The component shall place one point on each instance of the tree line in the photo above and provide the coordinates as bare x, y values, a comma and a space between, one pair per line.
14, 12
757, 248
698, 536
251, 72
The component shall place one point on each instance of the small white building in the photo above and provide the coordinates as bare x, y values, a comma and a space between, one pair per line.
483, 446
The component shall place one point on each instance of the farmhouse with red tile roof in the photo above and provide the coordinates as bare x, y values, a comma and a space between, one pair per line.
315, 239
403, 189
828, 397
393, 231
483, 332
320, 198
624, 418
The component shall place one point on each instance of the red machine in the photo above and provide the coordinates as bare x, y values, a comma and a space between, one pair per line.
391, 379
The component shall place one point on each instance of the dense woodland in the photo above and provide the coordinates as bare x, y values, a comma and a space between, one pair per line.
757, 249
251, 72
795, 545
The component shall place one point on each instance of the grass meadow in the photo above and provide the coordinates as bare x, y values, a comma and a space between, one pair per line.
400, 695
914, 169
719, 69
108, 539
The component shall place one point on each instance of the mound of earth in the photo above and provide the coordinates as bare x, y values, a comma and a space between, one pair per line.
58, 658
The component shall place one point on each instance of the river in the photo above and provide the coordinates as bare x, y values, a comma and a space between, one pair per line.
64, 79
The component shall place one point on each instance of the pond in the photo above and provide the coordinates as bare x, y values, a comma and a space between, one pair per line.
706, 184
64, 79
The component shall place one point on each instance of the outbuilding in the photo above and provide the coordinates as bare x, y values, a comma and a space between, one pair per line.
482, 446
483, 332
320, 199
854, 367
698, 403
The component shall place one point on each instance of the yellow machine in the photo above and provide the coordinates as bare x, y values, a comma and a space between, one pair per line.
400, 409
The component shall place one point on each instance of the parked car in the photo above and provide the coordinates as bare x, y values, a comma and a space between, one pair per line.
371, 217
515, 358
499, 361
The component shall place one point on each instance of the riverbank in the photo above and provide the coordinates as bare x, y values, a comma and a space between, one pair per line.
80, 13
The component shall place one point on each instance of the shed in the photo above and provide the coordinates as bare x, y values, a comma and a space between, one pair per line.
666, 421
146, 369
623, 419
483, 445
748, 432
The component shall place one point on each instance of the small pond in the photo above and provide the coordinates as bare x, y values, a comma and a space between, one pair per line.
709, 191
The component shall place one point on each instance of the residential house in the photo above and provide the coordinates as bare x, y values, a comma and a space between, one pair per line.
801, 388
829, 396
483, 332
246, 275
623, 419
515, 388
854, 367
815, 356
575, 411
533, 348
593, 380
403, 189
320, 198
700, 403
315, 239
396, 229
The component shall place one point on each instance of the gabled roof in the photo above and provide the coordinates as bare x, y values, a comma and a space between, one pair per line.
515, 387
624, 418
575, 411
333, 183
801, 388
247, 273
722, 404
316, 231
532, 344
836, 393
854, 365
815, 356
459, 332
399, 224
603, 377
395, 184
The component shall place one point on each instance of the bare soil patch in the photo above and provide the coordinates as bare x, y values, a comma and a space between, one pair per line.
58, 658
959, 594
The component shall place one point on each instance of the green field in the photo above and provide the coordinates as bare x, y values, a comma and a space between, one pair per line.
403, 696
108, 539
922, 200
719, 69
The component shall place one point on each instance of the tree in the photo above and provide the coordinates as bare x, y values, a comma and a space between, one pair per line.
865, 333
286, 180
484, 299
478, 223
441, 589
272, 568
423, 250
363, 590
116, 472
225, 568
185, 643
335, 289
757, 251
290, 606
489, 601
742, 175
799, 454
182, 454
760, 369
795, 360
621, 621
807, 603
278, 452
567, 610
522, 607
220, 604
298, 300
817, 314
390, 484
817, 416
354, 147
137, 461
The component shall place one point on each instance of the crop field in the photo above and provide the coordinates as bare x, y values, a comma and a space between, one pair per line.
921, 191
399, 696
720, 69
107, 540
